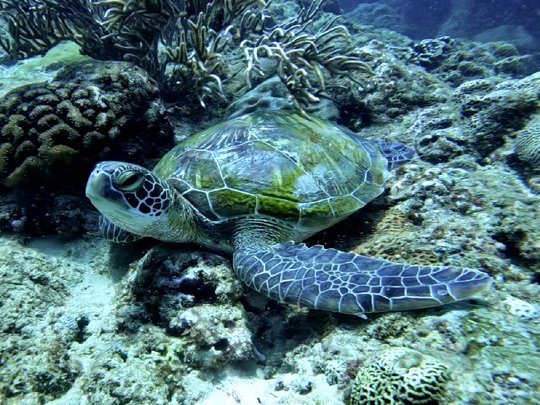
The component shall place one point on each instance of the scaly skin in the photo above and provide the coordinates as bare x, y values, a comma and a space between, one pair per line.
348, 283
251, 185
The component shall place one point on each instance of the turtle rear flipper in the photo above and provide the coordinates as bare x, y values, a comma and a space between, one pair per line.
349, 283
114, 233
397, 154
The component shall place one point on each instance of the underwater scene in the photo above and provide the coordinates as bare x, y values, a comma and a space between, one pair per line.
294, 202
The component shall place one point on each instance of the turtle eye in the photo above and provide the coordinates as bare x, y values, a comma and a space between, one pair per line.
129, 181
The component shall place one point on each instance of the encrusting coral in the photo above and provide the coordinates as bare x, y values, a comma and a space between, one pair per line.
430, 52
399, 376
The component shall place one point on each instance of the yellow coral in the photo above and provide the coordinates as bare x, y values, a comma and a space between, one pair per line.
58, 154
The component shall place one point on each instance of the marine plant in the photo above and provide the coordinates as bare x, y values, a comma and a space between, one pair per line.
185, 44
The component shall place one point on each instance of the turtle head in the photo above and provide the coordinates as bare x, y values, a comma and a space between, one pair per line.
130, 196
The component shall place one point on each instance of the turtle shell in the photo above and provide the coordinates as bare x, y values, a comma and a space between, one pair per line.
280, 164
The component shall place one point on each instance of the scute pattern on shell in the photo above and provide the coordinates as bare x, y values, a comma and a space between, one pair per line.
278, 164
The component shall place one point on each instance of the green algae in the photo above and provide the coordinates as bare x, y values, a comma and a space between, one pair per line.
228, 202
40, 68
278, 207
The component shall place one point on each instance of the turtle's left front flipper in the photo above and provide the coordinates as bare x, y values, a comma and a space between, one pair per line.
349, 283
114, 233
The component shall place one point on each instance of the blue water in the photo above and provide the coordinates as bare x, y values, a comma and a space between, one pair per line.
514, 20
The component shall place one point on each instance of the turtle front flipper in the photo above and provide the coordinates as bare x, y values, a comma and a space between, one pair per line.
114, 233
349, 283
396, 154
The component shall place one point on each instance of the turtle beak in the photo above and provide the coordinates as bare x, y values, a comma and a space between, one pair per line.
99, 184
94, 185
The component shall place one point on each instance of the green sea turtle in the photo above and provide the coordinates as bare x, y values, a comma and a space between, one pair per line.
257, 186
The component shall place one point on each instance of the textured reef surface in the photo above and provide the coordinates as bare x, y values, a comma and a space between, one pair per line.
85, 322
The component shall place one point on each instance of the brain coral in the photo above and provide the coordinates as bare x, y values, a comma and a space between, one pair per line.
58, 130
528, 143
399, 376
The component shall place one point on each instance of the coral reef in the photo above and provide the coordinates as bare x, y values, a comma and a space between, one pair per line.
89, 113
431, 52
84, 322
400, 376
478, 119
186, 46
395, 87
453, 60
457, 61
528, 143
500, 110
452, 201
190, 295
26, 324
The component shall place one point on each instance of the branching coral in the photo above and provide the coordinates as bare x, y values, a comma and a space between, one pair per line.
300, 57
37, 25
184, 44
